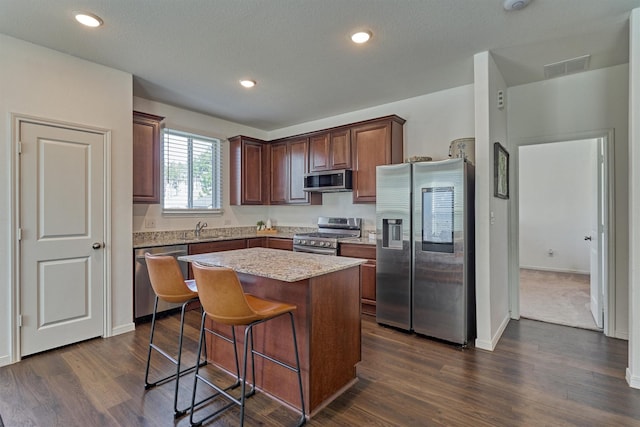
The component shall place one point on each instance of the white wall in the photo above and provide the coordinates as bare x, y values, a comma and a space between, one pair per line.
571, 105
633, 370
433, 121
42, 83
557, 195
492, 214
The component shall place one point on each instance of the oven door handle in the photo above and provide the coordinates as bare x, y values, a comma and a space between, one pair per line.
314, 250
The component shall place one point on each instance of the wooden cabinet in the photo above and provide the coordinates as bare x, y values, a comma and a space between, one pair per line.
218, 246
289, 160
280, 243
146, 158
374, 143
248, 171
367, 276
265, 173
279, 174
257, 242
330, 150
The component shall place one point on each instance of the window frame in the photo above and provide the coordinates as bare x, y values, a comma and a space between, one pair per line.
216, 168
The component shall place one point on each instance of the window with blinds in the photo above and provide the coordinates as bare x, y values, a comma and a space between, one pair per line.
191, 172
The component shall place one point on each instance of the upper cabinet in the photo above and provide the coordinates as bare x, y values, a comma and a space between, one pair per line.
249, 158
330, 150
146, 157
289, 163
265, 173
374, 143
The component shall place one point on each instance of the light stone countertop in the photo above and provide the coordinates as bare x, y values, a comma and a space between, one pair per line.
276, 264
147, 239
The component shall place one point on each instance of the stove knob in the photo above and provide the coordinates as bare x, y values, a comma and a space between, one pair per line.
323, 244
312, 242
296, 241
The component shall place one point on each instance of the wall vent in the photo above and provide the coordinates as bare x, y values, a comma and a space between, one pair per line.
569, 66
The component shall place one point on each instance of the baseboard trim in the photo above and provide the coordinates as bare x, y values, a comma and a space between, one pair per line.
5, 360
123, 329
632, 380
491, 345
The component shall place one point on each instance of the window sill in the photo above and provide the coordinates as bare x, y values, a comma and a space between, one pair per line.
192, 212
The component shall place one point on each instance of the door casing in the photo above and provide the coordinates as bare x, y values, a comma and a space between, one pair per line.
514, 239
14, 297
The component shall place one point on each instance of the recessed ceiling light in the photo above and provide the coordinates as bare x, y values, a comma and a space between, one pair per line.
88, 19
515, 4
361, 37
248, 83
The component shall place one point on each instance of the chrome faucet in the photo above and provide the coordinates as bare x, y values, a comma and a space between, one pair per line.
199, 227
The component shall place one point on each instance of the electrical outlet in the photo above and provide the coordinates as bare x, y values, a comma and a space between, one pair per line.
149, 223
500, 99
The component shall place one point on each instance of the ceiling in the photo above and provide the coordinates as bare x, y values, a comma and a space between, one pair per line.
191, 53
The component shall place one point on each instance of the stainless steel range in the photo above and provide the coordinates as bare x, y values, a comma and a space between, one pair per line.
330, 231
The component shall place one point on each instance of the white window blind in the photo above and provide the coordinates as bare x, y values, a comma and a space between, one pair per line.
191, 172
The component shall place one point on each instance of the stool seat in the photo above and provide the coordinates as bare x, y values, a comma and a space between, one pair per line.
224, 301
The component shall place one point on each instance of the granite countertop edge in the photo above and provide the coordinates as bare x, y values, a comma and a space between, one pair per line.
276, 264
170, 238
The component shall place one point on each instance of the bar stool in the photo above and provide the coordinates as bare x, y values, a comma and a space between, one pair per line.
224, 301
169, 285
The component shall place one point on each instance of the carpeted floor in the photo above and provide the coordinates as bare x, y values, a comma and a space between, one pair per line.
561, 298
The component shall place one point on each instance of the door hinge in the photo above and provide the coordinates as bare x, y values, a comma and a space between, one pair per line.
20, 320
19, 148
19, 234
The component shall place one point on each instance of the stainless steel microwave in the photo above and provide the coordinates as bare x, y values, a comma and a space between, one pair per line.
328, 181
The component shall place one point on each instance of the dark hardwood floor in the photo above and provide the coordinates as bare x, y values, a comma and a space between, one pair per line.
539, 375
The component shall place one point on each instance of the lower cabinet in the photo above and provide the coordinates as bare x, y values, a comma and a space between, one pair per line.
218, 246
368, 273
257, 242
280, 243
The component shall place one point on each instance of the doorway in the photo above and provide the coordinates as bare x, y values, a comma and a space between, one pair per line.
61, 214
562, 216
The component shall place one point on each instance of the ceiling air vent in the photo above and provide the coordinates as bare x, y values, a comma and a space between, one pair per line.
568, 66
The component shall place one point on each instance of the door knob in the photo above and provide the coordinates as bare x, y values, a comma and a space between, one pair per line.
587, 237
96, 245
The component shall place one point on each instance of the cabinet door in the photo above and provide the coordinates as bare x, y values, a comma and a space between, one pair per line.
368, 287
319, 152
258, 242
247, 160
280, 243
298, 165
279, 174
367, 273
371, 147
340, 154
146, 158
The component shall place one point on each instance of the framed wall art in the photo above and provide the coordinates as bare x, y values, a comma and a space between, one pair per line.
500, 171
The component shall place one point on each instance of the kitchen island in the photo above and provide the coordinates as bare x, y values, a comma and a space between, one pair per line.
326, 291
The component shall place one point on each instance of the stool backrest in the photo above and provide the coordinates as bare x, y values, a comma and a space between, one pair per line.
222, 296
166, 278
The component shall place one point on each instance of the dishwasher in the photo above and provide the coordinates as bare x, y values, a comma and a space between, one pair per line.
143, 294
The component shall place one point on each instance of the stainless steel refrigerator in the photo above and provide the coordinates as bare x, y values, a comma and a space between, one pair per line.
425, 261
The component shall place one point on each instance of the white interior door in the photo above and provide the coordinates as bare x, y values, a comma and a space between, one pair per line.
62, 235
597, 240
